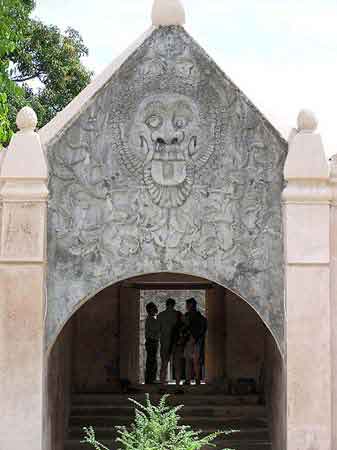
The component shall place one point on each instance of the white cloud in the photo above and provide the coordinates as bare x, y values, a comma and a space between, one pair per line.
282, 54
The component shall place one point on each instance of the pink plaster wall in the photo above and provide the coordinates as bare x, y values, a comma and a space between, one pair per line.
275, 385
59, 390
245, 339
96, 336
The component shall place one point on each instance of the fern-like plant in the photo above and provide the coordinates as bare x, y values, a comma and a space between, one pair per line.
156, 427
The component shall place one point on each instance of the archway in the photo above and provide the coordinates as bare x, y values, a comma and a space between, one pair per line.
99, 348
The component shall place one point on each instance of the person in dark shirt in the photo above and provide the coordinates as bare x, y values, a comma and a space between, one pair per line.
152, 331
194, 349
167, 320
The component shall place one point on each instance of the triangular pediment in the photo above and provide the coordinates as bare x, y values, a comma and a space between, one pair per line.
62, 121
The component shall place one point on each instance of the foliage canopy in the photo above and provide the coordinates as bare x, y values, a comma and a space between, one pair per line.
40, 66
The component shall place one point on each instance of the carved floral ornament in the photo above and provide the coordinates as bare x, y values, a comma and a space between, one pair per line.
170, 168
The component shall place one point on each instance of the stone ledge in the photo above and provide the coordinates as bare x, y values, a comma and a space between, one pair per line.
24, 190
307, 191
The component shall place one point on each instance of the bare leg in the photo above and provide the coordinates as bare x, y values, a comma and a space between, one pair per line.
196, 366
189, 352
163, 369
189, 368
178, 366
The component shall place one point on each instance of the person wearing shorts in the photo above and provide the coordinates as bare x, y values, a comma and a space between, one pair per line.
197, 326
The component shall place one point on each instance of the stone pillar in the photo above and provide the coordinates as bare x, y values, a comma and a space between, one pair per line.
333, 295
22, 288
129, 334
216, 335
306, 221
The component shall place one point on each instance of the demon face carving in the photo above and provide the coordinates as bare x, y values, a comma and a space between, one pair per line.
166, 146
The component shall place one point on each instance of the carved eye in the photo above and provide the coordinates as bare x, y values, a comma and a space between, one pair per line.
154, 122
180, 122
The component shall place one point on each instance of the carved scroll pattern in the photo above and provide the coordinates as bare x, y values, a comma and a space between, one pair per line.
170, 168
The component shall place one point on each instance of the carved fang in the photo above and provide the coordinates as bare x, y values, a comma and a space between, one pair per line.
192, 146
145, 146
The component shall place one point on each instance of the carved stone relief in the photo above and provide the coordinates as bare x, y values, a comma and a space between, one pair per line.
22, 236
170, 168
167, 145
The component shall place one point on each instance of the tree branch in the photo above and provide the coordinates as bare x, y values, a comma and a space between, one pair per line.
27, 78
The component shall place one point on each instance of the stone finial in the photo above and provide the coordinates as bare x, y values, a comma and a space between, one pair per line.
26, 119
24, 158
168, 12
306, 121
306, 158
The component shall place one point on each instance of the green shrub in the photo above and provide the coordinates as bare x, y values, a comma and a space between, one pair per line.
156, 427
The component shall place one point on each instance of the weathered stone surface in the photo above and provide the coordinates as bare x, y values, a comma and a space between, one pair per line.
170, 168
23, 230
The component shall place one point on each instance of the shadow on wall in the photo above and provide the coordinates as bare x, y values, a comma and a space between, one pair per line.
275, 389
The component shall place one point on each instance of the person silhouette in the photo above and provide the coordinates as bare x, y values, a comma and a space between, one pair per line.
167, 320
180, 335
151, 343
194, 349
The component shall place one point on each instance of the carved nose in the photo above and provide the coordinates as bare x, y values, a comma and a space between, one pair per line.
162, 141
169, 139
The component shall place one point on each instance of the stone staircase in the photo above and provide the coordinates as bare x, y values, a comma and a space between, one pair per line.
203, 409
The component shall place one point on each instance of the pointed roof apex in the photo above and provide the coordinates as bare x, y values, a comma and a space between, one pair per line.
168, 12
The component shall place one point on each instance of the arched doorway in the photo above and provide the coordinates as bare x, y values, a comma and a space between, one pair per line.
100, 348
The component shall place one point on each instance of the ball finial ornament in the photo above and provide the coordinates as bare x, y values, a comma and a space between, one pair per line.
26, 119
306, 121
168, 12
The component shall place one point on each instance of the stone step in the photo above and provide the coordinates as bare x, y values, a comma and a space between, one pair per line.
189, 410
202, 409
195, 422
240, 446
185, 399
105, 429
219, 445
243, 435
203, 389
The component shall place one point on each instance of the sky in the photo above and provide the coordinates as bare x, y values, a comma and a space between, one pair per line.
281, 53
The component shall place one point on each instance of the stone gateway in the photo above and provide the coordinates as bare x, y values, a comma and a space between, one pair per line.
162, 177
169, 168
